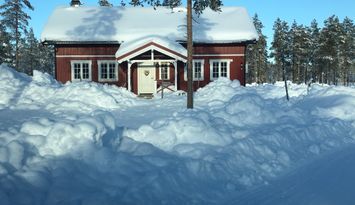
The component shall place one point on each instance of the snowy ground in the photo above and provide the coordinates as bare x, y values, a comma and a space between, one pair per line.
84, 143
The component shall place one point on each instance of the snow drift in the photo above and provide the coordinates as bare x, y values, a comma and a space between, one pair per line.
85, 143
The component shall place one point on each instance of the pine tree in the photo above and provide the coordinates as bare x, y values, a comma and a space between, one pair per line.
313, 52
30, 54
299, 56
5, 46
347, 49
171, 3
75, 3
104, 3
257, 56
46, 60
280, 49
329, 49
15, 19
325, 55
294, 48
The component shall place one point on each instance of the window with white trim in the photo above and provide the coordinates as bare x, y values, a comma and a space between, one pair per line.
164, 71
108, 71
198, 69
81, 70
219, 68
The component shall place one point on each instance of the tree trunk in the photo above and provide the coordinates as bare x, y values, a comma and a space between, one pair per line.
17, 39
285, 79
189, 56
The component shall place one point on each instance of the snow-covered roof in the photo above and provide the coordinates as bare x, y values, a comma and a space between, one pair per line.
121, 24
158, 43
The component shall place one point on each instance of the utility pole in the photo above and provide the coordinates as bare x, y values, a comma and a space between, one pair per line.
190, 103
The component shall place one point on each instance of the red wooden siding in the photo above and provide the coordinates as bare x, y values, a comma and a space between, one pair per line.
207, 52
66, 53
86, 49
219, 49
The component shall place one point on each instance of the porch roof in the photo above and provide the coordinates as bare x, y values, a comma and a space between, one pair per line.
131, 49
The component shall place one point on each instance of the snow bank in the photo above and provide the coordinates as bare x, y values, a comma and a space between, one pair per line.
257, 137
183, 128
336, 101
43, 91
218, 91
84, 143
11, 83
53, 137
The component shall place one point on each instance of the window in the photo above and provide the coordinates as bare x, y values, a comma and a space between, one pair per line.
164, 71
198, 67
81, 70
219, 68
108, 71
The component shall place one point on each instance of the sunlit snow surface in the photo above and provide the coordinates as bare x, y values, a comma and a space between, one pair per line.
85, 143
123, 24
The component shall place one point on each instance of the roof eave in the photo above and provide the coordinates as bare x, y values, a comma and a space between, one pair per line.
54, 42
253, 41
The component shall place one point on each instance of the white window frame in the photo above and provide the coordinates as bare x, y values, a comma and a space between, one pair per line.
193, 70
168, 70
108, 79
220, 61
81, 62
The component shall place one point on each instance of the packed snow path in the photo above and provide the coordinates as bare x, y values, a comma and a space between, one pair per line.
85, 143
134, 117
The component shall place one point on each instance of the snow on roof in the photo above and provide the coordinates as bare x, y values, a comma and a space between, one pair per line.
126, 47
121, 24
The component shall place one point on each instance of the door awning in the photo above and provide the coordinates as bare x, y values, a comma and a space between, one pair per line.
131, 49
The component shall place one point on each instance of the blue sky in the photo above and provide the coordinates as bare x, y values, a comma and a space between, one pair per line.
303, 11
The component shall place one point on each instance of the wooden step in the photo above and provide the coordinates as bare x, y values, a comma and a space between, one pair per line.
146, 95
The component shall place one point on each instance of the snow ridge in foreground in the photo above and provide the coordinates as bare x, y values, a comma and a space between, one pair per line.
84, 143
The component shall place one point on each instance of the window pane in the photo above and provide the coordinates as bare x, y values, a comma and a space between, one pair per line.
85, 70
103, 71
197, 70
112, 71
164, 72
224, 69
77, 71
215, 71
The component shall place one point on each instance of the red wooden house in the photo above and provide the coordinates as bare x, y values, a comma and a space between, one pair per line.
142, 48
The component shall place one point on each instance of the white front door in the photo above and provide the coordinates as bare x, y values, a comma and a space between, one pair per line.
146, 78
